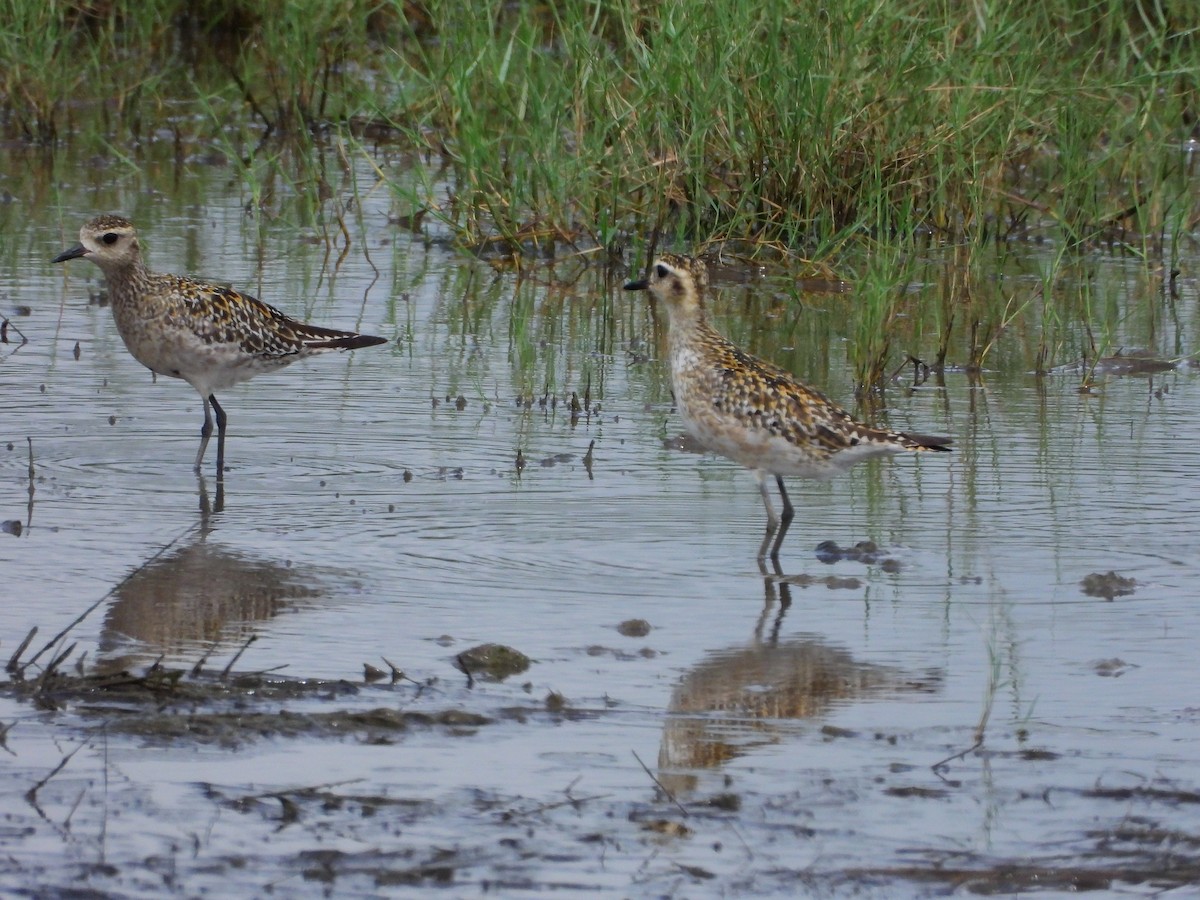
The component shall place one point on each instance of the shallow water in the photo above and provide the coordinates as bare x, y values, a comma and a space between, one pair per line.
817, 725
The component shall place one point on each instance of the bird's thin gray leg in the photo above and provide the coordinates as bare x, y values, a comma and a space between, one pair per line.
205, 434
207, 509
221, 419
789, 511
785, 521
772, 519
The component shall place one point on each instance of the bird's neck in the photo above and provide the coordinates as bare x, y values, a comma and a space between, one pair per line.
687, 319
126, 281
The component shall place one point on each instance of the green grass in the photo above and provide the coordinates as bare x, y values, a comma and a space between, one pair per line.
852, 138
800, 127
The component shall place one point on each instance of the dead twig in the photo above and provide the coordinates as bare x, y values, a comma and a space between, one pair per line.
238, 655
196, 669
12, 660
938, 766
6, 326
666, 792
31, 794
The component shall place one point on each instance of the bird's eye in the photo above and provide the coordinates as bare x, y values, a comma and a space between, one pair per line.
661, 271
111, 238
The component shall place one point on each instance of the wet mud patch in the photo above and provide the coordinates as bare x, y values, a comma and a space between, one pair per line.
696, 822
169, 705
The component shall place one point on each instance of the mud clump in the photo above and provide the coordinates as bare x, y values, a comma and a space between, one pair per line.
166, 706
634, 628
1107, 585
493, 661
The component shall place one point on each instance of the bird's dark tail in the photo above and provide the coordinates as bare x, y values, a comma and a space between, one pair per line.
317, 338
355, 341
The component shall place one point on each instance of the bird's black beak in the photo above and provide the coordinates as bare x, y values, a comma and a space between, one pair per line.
639, 285
74, 253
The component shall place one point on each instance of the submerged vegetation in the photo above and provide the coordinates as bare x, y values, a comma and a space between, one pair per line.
844, 138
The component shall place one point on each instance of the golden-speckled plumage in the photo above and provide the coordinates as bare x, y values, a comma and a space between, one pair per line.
212, 337
750, 410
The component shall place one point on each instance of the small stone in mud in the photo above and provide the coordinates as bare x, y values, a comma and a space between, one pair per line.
112, 420
925, 793
833, 731
634, 628
408, 476
493, 661
1035, 755
842, 584
727, 802
667, 827
11, 526
864, 551
829, 552
1108, 585
685, 443
1112, 668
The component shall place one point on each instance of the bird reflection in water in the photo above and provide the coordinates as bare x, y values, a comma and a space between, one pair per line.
191, 598
745, 697
207, 507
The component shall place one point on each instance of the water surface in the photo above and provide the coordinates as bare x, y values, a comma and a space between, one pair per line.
842, 726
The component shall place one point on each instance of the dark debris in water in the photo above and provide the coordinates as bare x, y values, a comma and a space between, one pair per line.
1124, 362
169, 705
1107, 585
866, 552
833, 582
1112, 668
1133, 362
382, 725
